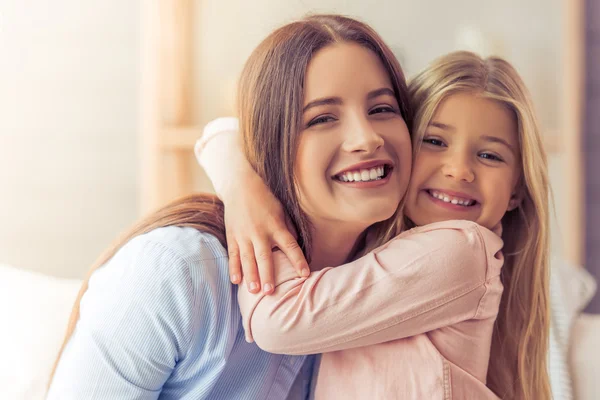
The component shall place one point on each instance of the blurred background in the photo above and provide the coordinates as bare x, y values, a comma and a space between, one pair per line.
101, 102
86, 88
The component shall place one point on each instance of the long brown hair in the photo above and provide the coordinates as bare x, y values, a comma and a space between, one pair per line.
518, 366
277, 70
270, 101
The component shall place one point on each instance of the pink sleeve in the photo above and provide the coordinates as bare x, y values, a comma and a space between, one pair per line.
427, 278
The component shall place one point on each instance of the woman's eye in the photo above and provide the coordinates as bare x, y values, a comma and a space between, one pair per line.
433, 142
382, 109
320, 120
490, 156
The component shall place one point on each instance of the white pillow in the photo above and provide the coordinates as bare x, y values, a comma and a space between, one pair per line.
571, 289
35, 309
585, 357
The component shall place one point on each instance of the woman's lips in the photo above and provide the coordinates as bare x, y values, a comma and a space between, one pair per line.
379, 181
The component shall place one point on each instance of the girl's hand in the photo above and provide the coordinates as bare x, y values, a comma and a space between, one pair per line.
255, 224
255, 221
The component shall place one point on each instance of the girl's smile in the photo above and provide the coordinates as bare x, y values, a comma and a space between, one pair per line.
468, 163
454, 201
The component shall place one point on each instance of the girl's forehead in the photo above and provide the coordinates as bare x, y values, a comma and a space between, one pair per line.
475, 109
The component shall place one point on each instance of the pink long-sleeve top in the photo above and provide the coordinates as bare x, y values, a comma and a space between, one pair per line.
411, 320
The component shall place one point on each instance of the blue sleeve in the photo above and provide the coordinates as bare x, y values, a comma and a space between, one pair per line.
136, 323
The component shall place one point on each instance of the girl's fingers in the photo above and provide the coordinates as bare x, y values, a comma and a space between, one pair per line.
235, 267
249, 268
289, 246
264, 257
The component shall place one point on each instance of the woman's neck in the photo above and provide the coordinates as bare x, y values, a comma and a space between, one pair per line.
332, 244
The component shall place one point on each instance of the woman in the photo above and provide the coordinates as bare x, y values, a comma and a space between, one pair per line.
157, 316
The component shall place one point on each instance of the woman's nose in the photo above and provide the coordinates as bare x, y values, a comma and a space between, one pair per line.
362, 137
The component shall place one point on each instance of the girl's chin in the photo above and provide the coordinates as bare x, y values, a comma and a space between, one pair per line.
369, 219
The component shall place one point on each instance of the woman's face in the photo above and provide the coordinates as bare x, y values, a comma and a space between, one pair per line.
354, 156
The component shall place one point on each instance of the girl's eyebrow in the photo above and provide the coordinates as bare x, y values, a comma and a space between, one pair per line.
440, 125
496, 139
487, 138
337, 100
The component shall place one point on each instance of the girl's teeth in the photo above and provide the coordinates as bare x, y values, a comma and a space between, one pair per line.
454, 201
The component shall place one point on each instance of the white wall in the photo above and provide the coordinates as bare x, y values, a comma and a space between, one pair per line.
526, 32
68, 125
69, 74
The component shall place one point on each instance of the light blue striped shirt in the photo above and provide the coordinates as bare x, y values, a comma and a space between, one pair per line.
161, 321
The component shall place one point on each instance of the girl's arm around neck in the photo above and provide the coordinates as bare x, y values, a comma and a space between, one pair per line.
427, 278
219, 152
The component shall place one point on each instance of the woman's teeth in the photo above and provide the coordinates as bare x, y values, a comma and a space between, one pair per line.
362, 175
451, 199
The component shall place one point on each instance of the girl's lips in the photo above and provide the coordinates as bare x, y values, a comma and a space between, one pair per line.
452, 197
450, 205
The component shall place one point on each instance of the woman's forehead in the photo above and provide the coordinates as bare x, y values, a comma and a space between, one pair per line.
344, 68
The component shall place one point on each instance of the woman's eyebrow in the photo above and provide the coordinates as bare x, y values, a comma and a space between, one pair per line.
337, 100
380, 92
322, 102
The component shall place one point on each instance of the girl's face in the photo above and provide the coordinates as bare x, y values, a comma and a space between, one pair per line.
354, 155
468, 164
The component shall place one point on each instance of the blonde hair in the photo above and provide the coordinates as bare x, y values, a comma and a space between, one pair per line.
517, 368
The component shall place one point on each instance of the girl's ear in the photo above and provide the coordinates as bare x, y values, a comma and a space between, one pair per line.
515, 200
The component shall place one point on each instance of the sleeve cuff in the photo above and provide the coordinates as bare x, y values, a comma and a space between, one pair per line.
213, 129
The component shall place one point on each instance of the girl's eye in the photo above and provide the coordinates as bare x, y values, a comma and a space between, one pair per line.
382, 109
433, 142
320, 120
490, 156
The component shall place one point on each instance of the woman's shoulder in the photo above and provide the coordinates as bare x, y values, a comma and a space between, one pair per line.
187, 243
148, 300
172, 257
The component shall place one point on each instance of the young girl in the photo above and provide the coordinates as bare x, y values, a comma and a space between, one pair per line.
434, 322
158, 317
